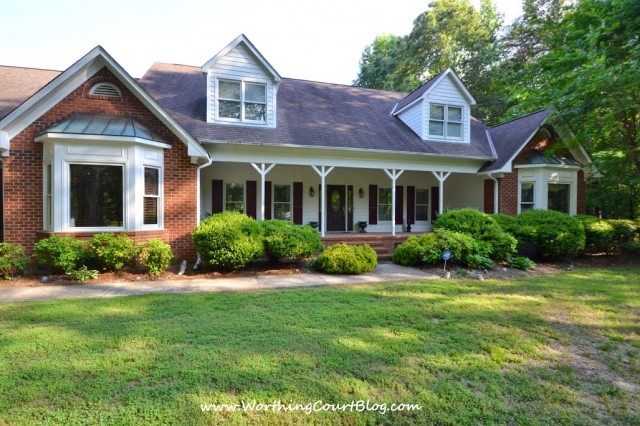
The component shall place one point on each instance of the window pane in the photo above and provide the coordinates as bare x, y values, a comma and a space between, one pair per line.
455, 114
235, 197
454, 130
526, 192
255, 112
422, 212
281, 193
150, 211
282, 211
229, 109
151, 181
229, 90
96, 195
384, 203
437, 112
422, 196
422, 204
255, 92
559, 197
436, 128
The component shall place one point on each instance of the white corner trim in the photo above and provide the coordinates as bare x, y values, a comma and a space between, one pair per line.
5, 143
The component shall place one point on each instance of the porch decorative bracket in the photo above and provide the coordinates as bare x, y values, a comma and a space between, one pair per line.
323, 171
262, 170
441, 176
393, 175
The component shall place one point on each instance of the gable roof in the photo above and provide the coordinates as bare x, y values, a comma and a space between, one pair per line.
510, 137
309, 114
424, 90
17, 84
242, 39
61, 85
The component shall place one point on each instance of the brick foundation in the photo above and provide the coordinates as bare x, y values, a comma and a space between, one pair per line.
23, 198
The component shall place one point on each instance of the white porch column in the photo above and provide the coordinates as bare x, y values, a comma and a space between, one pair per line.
441, 176
323, 172
263, 170
394, 175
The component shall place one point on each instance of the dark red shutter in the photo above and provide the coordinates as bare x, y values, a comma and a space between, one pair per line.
435, 202
216, 196
250, 207
267, 200
399, 205
297, 203
411, 205
373, 204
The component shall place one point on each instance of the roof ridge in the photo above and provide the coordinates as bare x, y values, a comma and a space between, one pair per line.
522, 116
30, 68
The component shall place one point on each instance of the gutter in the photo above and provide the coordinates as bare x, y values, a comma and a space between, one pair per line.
495, 192
198, 198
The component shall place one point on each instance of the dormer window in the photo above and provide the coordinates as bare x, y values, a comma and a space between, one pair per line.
445, 121
242, 101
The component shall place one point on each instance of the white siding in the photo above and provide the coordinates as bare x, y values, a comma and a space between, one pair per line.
446, 93
460, 190
413, 117
239, 64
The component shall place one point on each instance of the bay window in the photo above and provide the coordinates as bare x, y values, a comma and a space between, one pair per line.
96, 195
527, 196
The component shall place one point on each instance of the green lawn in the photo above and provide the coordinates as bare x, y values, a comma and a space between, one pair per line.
556, 349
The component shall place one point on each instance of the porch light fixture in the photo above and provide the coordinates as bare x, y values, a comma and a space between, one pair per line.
312, 192
361, 192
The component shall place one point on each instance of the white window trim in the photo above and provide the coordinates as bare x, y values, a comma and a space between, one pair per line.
541, 177
131, 156
444, 137
274, 202
242, 101
415, 204
520, 202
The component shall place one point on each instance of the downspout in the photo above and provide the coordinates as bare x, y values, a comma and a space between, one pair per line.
198, 197
495, 193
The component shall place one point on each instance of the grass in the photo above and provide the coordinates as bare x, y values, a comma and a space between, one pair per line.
559, 349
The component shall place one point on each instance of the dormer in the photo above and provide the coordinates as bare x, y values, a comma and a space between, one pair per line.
439, 110
241, 86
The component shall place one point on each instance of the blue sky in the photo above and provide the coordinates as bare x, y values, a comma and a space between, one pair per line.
320, 40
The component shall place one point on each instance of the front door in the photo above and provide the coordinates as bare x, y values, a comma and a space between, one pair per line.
336, 208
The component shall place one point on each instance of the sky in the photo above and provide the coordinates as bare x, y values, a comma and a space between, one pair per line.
320, 40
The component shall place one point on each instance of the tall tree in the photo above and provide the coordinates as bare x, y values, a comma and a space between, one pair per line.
378, 62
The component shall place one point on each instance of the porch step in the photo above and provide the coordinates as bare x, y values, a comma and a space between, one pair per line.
382, 244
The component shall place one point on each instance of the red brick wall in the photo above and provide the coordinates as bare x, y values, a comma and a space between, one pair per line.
581, 207
508, 193
488, 196
23, 211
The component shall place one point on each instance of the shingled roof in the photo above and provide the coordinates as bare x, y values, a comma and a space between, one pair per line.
309, 114
18, 84
510, 137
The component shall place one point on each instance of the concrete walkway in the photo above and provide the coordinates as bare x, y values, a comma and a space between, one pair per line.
384, 272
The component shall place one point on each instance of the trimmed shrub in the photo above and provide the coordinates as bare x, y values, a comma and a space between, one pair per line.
552, 234
60, 255
523, 263
12, 260
112, 251
411, 252
480, 226
347, 259
284, 240
228, 240
156, 255
506, 222
460, 245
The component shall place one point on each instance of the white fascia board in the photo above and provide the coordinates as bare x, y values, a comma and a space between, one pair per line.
66, 137
65, 83
348, 158
243, 39
546, 166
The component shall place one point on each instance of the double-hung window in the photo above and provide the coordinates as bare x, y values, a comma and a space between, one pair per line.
422, 204
234, 197
527, 196
282, 202
445, 121
151, 196
384, 204
242, 101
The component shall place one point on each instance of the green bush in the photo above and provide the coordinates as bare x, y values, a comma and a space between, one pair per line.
156, 255
411, 252
83, 274
631, 247
480, 226
523, 263
461, 246
478, 261
60, 255
284, 240
506, 222
347, 259
112, 251
228, 240
12, 260
553, 235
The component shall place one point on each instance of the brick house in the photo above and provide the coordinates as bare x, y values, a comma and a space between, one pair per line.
91, 149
